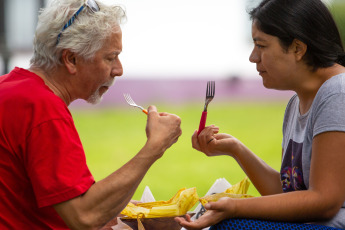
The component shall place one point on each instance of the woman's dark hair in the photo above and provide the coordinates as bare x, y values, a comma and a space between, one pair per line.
309, 21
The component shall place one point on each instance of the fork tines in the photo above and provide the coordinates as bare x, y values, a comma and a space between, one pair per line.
210, 90
211, 86
130, 101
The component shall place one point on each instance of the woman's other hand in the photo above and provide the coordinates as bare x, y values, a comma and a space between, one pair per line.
212, 143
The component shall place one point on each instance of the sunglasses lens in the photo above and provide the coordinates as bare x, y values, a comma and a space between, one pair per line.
93, 5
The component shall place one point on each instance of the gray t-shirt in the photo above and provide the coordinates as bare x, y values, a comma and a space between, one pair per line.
327, 113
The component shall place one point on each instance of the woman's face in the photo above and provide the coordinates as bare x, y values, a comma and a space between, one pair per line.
275, 65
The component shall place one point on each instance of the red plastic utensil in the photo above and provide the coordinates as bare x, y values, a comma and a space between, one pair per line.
210, 89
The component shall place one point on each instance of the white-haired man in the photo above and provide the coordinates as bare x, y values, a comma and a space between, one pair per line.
44, 180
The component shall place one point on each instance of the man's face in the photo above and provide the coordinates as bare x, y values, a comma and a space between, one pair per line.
98, 74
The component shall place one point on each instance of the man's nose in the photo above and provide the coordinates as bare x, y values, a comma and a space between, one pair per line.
117, 71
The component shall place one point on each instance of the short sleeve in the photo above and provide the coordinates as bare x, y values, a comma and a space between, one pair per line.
330, 114
56, 162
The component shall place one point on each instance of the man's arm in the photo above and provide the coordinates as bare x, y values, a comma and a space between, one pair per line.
107, 198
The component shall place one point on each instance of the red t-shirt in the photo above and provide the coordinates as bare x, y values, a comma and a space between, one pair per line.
42, 161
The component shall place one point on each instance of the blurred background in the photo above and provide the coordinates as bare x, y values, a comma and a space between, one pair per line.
170, 50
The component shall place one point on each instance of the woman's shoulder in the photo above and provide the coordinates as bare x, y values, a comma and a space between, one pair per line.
335, 84
331, 93
291, 105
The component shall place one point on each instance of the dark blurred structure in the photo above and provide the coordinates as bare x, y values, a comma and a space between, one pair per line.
18, 20
3, 48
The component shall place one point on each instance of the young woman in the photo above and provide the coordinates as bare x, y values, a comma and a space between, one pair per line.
297, 47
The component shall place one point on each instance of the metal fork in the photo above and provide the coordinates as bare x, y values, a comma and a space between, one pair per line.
210, 90
132, 103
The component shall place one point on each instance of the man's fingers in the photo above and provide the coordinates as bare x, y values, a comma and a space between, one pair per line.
152, 108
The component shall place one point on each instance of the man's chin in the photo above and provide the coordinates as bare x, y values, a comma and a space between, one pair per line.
97, 96
94, 100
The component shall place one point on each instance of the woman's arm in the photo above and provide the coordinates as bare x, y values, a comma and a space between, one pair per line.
327, 170
264, 178
321, 201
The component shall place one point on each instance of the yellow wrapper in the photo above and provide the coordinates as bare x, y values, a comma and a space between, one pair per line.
178, 205
238, 190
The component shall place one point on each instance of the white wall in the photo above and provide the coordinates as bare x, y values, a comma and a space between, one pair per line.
21, 23
186, 38
182, 39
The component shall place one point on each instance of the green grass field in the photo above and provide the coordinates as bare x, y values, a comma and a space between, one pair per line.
111, 137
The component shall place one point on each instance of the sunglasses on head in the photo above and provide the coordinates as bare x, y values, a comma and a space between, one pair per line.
91, 4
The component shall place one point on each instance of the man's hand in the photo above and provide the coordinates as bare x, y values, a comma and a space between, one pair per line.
162, 129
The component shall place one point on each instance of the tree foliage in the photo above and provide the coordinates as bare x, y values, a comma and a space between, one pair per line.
338, 8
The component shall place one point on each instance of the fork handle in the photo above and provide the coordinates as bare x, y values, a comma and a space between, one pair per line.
202, 121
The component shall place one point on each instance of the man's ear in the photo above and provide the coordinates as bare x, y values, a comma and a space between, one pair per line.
299, 48
69, 60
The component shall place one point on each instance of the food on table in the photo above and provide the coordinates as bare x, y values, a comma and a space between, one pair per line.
238, 190
178, 205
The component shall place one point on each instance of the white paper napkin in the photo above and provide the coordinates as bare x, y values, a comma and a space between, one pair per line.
220, 185
147, 195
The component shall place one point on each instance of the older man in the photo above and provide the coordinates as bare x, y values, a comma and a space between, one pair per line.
44, 180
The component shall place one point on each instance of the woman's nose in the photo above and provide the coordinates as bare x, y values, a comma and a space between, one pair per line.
254, 57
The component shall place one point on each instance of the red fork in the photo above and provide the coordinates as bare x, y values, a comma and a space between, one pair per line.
210, 89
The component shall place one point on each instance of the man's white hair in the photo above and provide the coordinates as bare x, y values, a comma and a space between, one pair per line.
84, 37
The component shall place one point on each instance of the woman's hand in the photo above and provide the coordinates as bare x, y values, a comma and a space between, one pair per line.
212, 143
216, 212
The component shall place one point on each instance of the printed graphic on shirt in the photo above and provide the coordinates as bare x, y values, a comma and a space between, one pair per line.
291, 171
